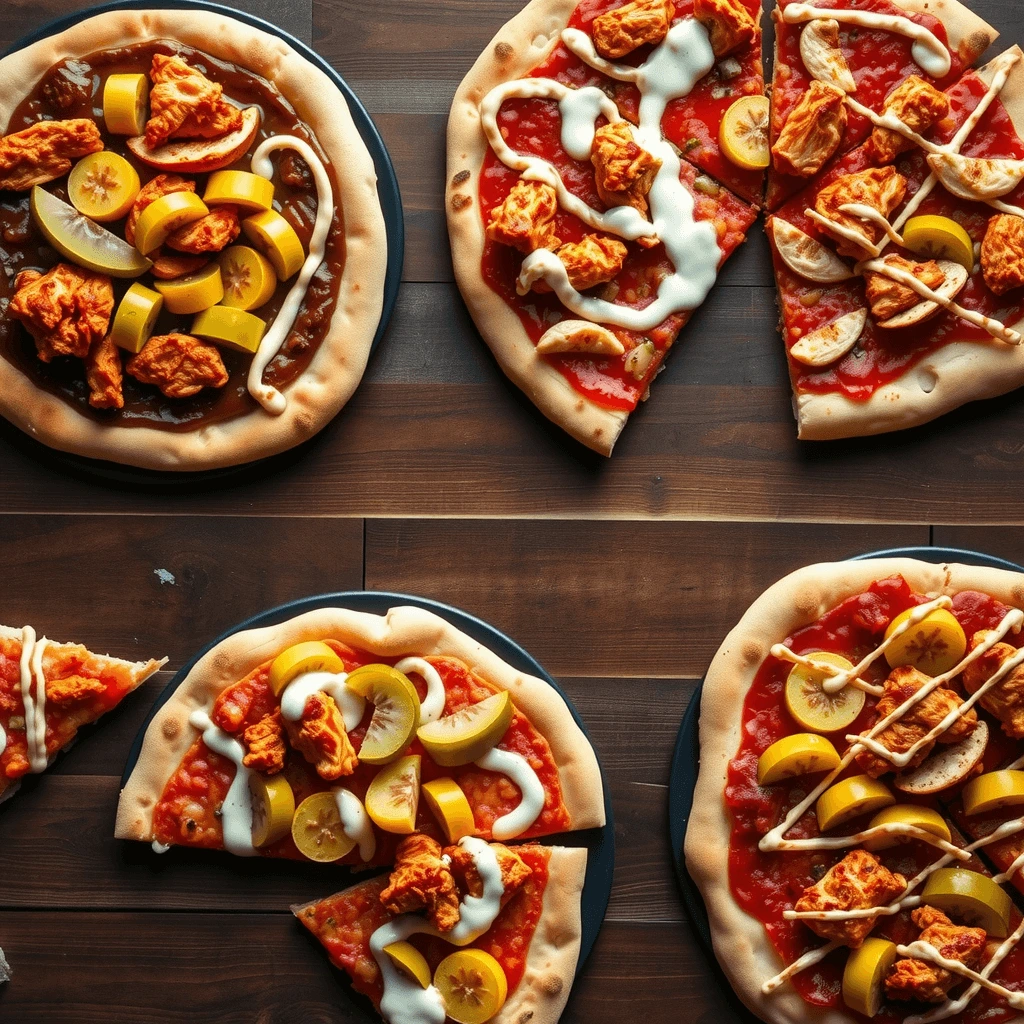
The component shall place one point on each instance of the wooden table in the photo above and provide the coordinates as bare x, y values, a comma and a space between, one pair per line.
440, 479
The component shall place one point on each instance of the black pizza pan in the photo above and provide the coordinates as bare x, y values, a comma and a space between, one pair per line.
133, 477
599, 842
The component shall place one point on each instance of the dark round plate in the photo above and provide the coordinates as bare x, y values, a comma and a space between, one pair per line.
391, 205
600, 842
686, 759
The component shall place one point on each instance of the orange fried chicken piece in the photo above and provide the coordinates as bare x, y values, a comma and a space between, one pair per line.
526, 219
514, 871
730, 25
161, 185
184, 103
1002, 253
592, 261
887, 297
166, 268
926, 982
44, 151
320, 736
1004, 700
918, 104
881, 188
623, 170
903, 682
623, 29
179, 365
211, 233
421, 880
265, 749
104, 375
812, 131
859, 880
66, 310
73, 689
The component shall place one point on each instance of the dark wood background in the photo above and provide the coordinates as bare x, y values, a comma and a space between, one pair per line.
440, 479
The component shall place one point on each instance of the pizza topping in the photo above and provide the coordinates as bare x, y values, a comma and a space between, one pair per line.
302, 659
432, 705
184, 103
743, 133
730, 25
104, 376
277, 240
623, 170
396, 711
161, 185
948, 765
198, 156
103, 186
811, 704
355, 822
239, 188
209, 233
273, 807
864, 975
247, 275
880, 188
230, 328
976, 178
393, 796
317, 829
164, 216
850, 798
594, 260
472, 984
822, 55
125, 98
940, 238
622, 30
44, 151
1005, 699
320, 736
403, 1000
887, 297
421, 880
406, 957
1002, 253
192, 293
918, 104
812, 131
933, 644
468, 734
265, 744
972, 896
800, 754
179, 365
532, 799
579, 336
913, 816
823, 346
526, 219
449, 805
994, 791
806, 256
33, 697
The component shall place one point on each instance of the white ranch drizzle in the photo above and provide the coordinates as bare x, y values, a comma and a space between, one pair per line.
869, 213
236, 811
159, 847
432, 706
269, 397
928, 52
809, 959
580, 109
3, 739
478, 913
531, 802
302, 687
355, 822
33, 696
783, 653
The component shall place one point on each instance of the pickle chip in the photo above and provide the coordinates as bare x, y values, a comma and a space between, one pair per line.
743, 133
164, 215
969, 898
407, 958
396, 711
472, 984
468, 734
233, 328
103, 186
864, 975
850, 798
933, 645
317, 829
309, 656
135, 317
125, 98
248, 276
277, 240
193, 292
393, 796
449, 805
240, 188
273, 806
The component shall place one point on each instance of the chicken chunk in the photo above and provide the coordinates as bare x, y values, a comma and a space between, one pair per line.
730, 25
179, 365
185, 104
918, 104
1002, 253
161, 185
925, 982
881, 188
887, 297
44, 151
514, 870
903, 682
421, 880
812, 131
66, 310
526, 219
592, 261
623, 170
211, 233
166, 268
622, 30
1005, 700
320, 736
73, 689
858, 881
104, 375
265, 748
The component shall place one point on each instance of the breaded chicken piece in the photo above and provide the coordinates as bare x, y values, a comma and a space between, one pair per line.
161, 185
1002, 253
592, 261
881, 188
421, 880
179, 365
1004, 700
622, 30
44, 151
211, 233
320, 736
730, 25
526, 219
73, 689
888, 298
514, 871
623, 170
184, 103
264, 744
918, 104
812, 132
104, 375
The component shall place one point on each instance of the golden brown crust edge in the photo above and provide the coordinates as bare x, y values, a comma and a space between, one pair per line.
336, 369
402, 631
519, 46
741, 943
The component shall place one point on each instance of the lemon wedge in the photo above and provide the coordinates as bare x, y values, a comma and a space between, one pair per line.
933, 645
850, 798
317, 829
993, 791
240, 188
124, 104
273, 806
164, 215
939, 238
470, 733
449, 805
811, 706
393, 797
864, 975
970, 898
906, 814
309, 656
472, 984
396, 710
799, 754
135, 317
277, 240
103, 186
248, 276
233, 328
192, 293
82, 240
408, 959
743, 133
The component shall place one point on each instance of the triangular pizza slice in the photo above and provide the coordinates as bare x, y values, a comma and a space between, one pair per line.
475, 932
837, 62
48, 691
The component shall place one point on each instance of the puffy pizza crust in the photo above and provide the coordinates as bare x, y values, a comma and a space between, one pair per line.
519, 46
402, 631
741, 944
336, 369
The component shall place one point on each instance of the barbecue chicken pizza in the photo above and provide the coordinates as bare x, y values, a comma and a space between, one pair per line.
604, 160
193, 247
857, 829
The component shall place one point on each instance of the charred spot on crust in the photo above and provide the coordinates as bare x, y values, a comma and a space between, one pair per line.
171, 729
551, 984
806, 601
753, 652
972, 46
525, 1016
459, 178
460, 201
503, 52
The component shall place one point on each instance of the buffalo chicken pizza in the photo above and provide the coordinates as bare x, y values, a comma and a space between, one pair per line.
857, 832
192, 243
604, 160
395, 741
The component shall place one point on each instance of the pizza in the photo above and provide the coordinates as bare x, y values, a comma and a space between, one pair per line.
193, 246
603, 163
856, 830
48, 691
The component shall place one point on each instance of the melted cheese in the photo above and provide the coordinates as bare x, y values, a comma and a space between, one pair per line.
432, 705
355, 822
531, 801
302, 687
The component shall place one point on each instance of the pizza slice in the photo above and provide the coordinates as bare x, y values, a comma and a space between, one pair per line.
581, 240
839, 64
334, 734
900, 268
48, 691
475, 932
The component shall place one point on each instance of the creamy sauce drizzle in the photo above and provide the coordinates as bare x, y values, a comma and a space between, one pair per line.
355, 822
432, 706
531, 802
33, 696
302, 687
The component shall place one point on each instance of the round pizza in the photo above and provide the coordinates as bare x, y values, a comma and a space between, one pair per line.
857, 829
396, 742
193, 246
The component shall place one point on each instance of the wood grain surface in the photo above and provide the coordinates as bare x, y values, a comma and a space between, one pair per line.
440, 479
